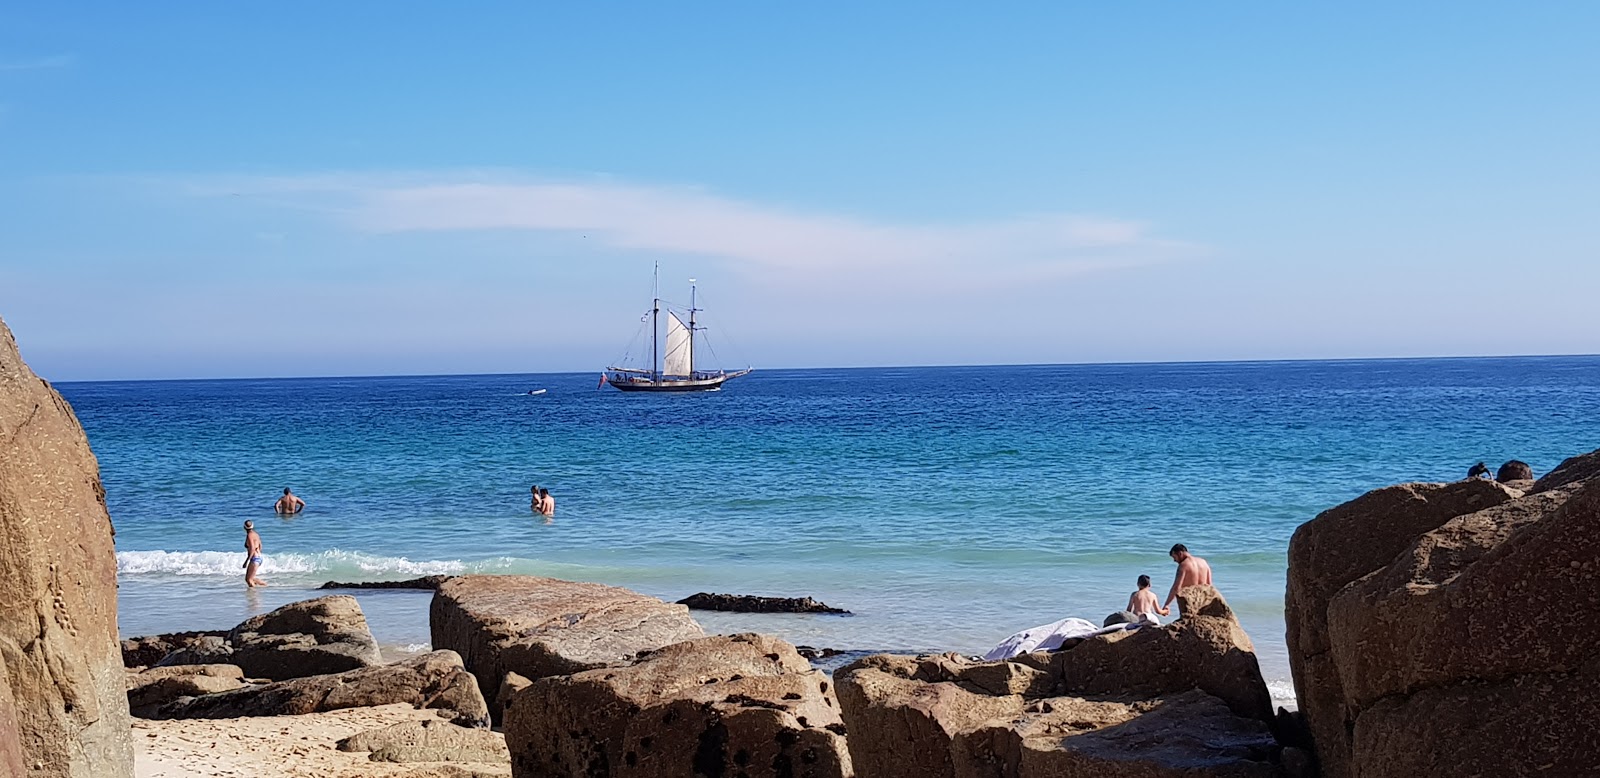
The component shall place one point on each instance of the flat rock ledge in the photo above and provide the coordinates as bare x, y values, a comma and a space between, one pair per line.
427, 582
746, 603
540, 627
435, 680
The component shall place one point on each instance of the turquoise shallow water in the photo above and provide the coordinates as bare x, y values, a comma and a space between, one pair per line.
946, 507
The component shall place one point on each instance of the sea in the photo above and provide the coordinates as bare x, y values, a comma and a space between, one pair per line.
944, 507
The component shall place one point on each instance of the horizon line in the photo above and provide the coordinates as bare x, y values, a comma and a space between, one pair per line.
1117, 363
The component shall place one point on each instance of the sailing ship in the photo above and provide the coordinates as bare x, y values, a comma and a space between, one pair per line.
672, 369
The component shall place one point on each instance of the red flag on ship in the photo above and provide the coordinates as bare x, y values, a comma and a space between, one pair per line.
602, 381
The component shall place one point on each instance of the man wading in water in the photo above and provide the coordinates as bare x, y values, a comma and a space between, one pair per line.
252, 556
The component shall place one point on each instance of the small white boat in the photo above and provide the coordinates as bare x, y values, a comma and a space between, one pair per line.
538, 391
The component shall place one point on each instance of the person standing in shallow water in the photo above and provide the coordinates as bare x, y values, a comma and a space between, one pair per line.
252, 556
547, 504
1192, 571
288, 504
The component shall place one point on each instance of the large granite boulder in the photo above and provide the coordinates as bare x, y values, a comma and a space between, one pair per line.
434, 740
434, 680
539, 627
147, 650
1204, 649
1492, 605
310, 637
67, 713
1337, 547
904, 727
723, 705
1184, 699
1470, 647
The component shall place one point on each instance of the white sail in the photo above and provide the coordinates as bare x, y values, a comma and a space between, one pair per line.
677, 361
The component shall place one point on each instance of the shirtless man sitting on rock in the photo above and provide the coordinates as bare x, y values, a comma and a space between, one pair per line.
1192, 571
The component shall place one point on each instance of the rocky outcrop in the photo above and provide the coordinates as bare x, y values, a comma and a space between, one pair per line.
1514, 471
540, 627
160, 685
746, 603
429, 741
147, 650
1185, 699
312, 637
1337, 547
435, 680
1468, 646
67, 713
723, 705
1204, 649
904, 727
1579, 468
200, 650
428, 582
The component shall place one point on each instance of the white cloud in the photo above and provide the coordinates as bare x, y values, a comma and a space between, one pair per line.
689, 221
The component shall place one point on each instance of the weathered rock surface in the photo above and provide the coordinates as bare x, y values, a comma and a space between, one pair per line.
900, 726
1185, 699
67, 713
311, 637
1470, 649
1204, 649
160, 687
1572, 470
434, 680
135, 680
1337, 547
1515, 470
147, 650
429, 741
746, 603
539, 627
429, 582
200, 650
723, 705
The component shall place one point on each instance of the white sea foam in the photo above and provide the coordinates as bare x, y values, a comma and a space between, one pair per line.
1282, 691
230, 563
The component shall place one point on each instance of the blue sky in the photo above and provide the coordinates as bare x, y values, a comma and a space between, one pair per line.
202, 189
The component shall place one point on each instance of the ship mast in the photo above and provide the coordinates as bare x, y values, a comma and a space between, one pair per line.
655, 316
692, 310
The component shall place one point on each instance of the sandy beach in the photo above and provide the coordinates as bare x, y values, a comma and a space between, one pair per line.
287, 746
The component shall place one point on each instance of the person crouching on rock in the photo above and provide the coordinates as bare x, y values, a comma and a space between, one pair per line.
1143, 604
252, 555
1479, 470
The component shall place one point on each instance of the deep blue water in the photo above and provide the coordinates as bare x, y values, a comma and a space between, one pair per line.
947, 507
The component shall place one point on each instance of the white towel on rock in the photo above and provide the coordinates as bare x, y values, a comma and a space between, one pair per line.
1045, 637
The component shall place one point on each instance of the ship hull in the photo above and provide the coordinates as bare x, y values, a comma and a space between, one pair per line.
641, 384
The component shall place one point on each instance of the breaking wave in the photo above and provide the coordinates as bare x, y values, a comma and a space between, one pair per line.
332, 563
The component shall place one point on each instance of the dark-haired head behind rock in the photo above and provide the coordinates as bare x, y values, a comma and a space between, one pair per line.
1515, 470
